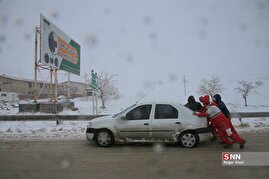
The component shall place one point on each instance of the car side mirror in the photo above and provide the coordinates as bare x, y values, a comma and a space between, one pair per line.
123, 117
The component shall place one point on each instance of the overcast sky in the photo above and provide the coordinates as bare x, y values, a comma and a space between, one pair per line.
144, 41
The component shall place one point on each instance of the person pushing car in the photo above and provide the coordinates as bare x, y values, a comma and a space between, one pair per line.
219, 122
221, 105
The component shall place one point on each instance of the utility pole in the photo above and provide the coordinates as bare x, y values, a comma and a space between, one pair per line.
85, 86
184, 83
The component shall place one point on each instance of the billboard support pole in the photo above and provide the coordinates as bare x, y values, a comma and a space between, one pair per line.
56, 85
50, 89
68, 86
37, 30
96, 103
93, 104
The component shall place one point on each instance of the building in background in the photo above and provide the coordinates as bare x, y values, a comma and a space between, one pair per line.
77, 89
24, 87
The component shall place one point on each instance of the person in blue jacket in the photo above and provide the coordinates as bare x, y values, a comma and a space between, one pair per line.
221, 105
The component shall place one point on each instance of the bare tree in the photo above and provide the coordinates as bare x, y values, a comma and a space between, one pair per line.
210, 86
244, 88
106, 87
259, 83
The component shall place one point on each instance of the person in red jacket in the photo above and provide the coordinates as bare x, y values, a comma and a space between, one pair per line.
219, 122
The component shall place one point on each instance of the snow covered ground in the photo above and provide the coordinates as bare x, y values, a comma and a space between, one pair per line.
75, 130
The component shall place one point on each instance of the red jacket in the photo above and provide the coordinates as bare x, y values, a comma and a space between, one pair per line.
214, 115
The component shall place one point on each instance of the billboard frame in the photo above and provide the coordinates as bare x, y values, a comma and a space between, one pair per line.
67, 49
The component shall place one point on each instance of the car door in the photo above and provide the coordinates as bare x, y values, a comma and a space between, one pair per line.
166, 122
135, 124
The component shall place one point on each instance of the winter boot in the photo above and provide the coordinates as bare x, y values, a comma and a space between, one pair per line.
228, 146
214, 138
242, 145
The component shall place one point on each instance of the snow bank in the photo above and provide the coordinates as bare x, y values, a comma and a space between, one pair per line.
42, 130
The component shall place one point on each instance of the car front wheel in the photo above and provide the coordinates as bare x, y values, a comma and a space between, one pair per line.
104, 138
188, 139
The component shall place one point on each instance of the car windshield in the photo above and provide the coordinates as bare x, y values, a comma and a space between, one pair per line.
123, 111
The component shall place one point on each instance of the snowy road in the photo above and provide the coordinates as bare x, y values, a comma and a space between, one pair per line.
81, 159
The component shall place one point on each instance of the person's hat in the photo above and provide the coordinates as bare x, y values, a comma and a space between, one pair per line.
217, 97
191, 99
205, 99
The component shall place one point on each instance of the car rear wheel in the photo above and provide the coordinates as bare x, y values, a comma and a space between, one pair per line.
189, 139
104, 138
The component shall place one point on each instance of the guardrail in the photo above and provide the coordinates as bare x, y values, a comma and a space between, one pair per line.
47, 117
55, 117
249, 114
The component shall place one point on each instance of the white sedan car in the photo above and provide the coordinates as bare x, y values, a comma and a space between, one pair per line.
149, 122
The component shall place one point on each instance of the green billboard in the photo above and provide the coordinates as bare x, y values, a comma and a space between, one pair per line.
57, 49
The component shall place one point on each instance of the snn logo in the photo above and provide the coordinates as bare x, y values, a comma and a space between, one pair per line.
228, 156
235, 156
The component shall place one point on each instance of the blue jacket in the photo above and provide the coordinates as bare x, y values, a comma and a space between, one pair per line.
222, 106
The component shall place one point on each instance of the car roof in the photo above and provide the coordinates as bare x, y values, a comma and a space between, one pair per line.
159, 102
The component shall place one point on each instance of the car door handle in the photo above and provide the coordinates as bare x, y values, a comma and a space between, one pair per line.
178, 123
146, 124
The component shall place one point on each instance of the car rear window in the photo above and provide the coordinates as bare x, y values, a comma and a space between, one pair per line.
165, 111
